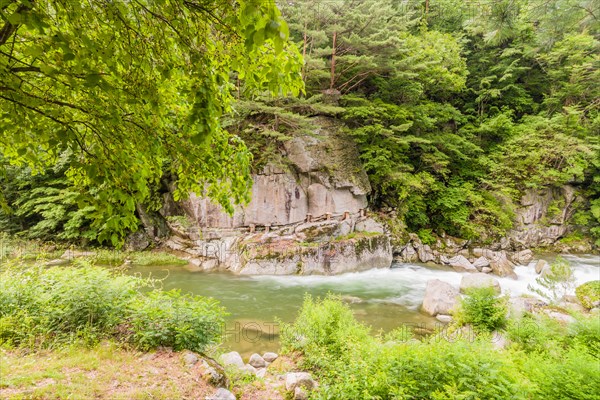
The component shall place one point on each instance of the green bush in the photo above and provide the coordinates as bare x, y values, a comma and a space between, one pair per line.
175, 320
351, 364
568, 374
43, 307
483, 310
589, 293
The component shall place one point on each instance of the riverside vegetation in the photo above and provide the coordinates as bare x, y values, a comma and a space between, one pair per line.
456, 110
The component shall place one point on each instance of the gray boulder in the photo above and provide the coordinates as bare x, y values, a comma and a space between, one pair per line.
222, 394
232, 358
479, 280
481, 263
257, 361
460, 263
270, 357
540, 265
294, 380
440, 298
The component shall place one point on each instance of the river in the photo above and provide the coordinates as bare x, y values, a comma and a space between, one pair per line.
382, 298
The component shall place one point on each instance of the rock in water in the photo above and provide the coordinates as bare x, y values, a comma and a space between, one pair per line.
461, 264
440, 298
481, 263
232, 358
257, 361
540, 265
479, 280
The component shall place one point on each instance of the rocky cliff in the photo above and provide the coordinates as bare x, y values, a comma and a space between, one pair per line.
307, 215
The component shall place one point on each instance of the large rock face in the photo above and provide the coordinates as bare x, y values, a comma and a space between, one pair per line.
315, 174
542, 216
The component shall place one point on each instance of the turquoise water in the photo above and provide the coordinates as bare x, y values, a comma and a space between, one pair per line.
382, 298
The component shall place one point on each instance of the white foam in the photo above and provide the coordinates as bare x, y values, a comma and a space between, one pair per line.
404, 284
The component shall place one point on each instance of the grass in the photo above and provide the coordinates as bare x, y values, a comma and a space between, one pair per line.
356, 235
105, 371
143, 258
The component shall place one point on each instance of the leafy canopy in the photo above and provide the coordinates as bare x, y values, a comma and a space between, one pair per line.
126, 86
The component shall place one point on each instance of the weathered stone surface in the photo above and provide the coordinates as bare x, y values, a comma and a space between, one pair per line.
486, 270
270, 356
232, 358
212, 373
321, 231
440, 298
357, 254
536, 226
522, 257
501, 265
261, 372
478, 280
540, 265
257, 361
409, 254
368, 225
190, 358
299, 379
222, 394
481, 262
446, 319
425, 253
461, 264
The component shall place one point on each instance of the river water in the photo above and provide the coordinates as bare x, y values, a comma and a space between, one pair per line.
382, 298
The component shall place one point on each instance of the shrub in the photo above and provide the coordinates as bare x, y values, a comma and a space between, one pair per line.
482, 309
352, 364
568, 374
589, 294
175, 320
44, 307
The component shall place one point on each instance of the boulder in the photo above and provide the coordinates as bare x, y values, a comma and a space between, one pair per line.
248, 370
300, 394
409, 254
425, 253
479, 280
270, 357
499, 340
213, 374
299, 379
445, 319
257, 361
523, 257
486, 270
222, 394
261, 372
540, 265
440, 298
502, 266
481, 263
190, 358
232, 358
461, 264
368, 225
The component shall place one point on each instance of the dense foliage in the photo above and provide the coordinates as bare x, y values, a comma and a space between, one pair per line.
589, 294
351, 364
44, 307
457, 108
130, 91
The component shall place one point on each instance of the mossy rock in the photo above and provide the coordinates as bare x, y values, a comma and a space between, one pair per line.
589, 294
